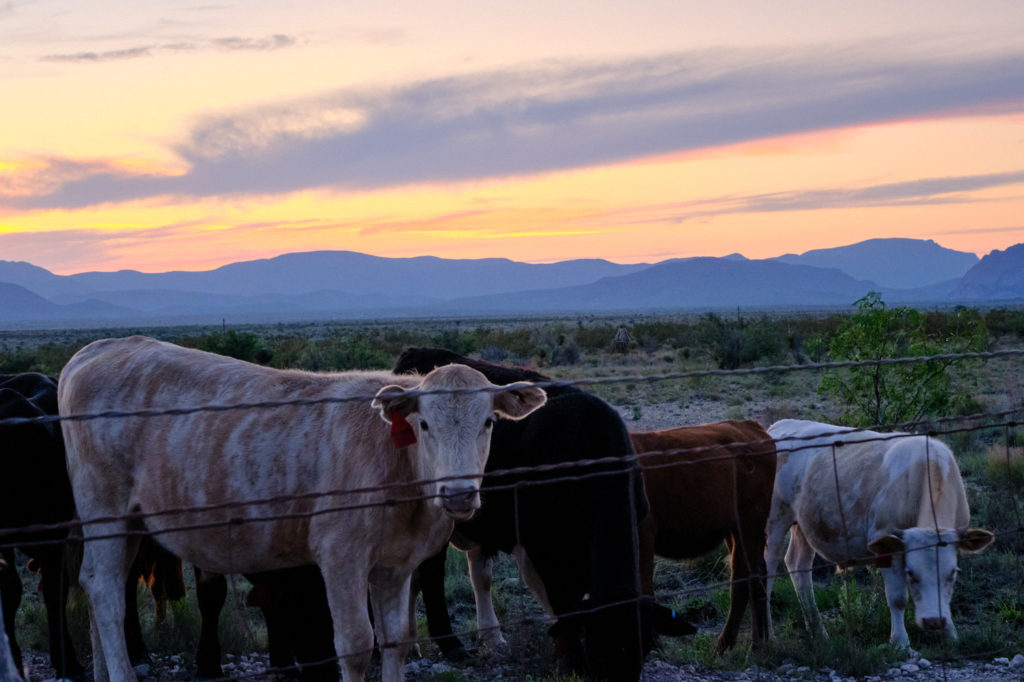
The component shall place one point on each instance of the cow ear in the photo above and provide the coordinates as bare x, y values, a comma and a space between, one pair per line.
394, 398
974, 540
887, 544
517, 400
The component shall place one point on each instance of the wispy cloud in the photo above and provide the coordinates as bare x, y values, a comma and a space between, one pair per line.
107, 56
567, 115
984, 230
232, 43
274, 42
941, 190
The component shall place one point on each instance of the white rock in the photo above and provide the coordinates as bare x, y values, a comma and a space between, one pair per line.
893, 672
1002, 660
910, 668
924, 663
1017, 662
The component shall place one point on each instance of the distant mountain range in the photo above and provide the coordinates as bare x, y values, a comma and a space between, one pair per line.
344, 284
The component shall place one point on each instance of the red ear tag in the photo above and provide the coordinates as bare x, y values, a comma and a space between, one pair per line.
883, 561
402, 435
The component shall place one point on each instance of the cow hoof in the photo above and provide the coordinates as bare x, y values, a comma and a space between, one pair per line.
721, 646
494, 642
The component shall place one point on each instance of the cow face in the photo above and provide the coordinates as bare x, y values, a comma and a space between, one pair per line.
928, 561
453, 430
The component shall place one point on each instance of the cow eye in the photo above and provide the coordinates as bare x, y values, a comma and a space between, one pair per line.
423, 426
489, 422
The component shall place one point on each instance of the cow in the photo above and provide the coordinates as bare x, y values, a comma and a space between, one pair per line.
575, 538
316, 480
33, 469
851, 494
705, 484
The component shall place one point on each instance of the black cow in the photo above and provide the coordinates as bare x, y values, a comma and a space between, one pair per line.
300, 634
35, 490
579, 534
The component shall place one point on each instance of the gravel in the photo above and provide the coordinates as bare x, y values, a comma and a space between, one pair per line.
506, 667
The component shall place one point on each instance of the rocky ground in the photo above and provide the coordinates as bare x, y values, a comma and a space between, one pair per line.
508, 667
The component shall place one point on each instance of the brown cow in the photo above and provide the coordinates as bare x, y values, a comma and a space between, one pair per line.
706, 484
393, 499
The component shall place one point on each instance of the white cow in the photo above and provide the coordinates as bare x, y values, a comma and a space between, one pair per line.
205, 461
899, 497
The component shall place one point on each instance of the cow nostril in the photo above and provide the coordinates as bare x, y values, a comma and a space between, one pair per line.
934, 623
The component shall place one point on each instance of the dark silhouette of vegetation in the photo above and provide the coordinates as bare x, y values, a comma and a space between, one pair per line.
235, 344
710, 340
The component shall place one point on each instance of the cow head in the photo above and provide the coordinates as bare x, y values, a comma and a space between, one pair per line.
926, 561
453, 430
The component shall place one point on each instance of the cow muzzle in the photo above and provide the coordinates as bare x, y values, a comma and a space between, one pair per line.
460, 502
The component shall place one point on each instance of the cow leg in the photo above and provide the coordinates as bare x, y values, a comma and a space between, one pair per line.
390, 597
481, 575
55, 596
896, 596
137, 651
211, 593
439, 624
799, 561
531, 576
10, 595
104, 571
413, 632
779, 521
739, 594
353, 634
753, 543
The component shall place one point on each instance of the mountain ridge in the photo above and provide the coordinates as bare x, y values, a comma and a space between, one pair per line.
339, 284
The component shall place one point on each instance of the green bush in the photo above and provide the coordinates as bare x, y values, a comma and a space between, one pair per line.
891, 393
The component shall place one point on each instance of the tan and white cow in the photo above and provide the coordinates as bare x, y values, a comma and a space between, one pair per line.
205, 462
894, 496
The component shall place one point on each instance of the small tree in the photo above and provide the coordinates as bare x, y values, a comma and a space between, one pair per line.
884, 394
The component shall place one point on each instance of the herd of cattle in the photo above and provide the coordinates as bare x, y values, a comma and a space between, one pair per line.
354, 484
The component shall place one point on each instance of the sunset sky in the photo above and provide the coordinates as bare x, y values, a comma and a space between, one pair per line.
165, 135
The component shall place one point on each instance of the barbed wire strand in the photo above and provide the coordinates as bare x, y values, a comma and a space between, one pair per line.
571, 383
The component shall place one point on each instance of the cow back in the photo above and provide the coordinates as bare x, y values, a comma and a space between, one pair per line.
203, 458
705, 483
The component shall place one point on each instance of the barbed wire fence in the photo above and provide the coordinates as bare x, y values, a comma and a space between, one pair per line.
553, 473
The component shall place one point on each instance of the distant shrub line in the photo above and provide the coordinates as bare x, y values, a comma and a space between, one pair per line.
726, 341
